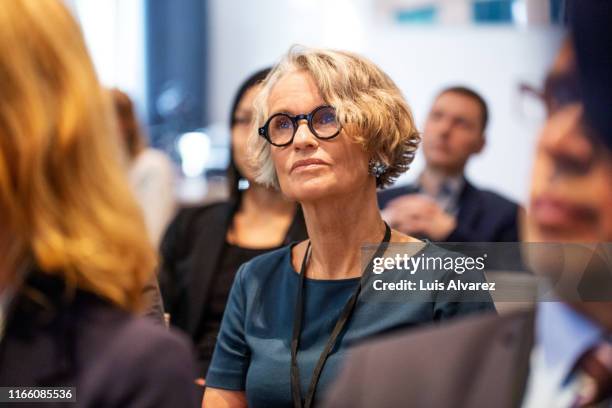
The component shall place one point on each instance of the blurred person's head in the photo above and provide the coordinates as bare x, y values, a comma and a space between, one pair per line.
64, 203
358, 113
454, 129
591, 32
571, 187
129, 130
241, 119
570, 197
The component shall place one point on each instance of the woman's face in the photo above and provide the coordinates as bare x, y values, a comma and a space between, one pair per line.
240, 133
310, 169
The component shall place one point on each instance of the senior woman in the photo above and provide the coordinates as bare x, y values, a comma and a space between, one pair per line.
331, 128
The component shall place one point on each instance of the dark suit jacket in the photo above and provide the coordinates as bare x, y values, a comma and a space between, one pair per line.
476, 362
483, 216
191, 251
112, 358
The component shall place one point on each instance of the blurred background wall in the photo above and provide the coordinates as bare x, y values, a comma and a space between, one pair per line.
182, 60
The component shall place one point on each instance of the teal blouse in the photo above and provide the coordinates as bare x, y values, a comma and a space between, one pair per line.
253, 351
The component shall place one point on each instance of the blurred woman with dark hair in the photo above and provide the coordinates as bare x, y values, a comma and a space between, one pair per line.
73, 261
204, 246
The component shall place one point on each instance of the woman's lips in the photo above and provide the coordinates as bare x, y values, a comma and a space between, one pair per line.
307, 163
552, 212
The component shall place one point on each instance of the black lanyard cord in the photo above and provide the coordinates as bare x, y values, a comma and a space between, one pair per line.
347, 312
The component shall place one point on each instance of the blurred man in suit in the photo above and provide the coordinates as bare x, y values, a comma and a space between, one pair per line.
558, 355
443, 205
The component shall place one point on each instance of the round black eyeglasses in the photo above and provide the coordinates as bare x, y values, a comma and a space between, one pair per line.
280, 129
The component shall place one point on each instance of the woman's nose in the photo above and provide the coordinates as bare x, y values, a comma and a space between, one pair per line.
303, 136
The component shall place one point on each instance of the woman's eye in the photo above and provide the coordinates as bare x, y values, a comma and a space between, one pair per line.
327, 118
282, 123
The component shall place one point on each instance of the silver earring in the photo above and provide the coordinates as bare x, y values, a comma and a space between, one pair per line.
377, 168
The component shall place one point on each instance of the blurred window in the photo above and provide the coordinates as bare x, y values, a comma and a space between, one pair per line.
114, 33
511, 12
557, 11
493, 11
420, 15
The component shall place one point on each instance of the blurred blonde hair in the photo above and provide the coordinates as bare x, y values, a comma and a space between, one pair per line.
64, 200
370, 108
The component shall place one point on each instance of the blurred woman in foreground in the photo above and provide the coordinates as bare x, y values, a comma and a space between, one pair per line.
73, 258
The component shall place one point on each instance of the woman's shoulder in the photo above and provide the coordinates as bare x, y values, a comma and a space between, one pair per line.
267, 265
103, 340
442, 249
144, 338
110, 329
193, 219
115, 346
101, 350
193, 213
116, 338
272, 260
420, 246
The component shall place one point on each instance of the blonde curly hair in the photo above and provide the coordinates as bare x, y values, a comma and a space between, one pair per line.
370, 108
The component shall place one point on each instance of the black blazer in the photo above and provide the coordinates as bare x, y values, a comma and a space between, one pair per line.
191, 251
113, 359
484, 216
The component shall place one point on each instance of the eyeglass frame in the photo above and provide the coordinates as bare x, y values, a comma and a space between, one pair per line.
263, 131
558, 91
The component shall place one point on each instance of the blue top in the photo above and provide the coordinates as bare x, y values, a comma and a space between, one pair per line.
253, 351
564, 335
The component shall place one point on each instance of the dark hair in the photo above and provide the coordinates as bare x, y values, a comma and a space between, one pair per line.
233, 174
470, 93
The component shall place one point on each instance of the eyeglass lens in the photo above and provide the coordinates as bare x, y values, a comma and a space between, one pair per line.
322, 122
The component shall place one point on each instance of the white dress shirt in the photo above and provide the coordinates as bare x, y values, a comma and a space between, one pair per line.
562, 336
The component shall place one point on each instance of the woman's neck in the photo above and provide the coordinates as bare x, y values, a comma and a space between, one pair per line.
263, 219
337, 228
